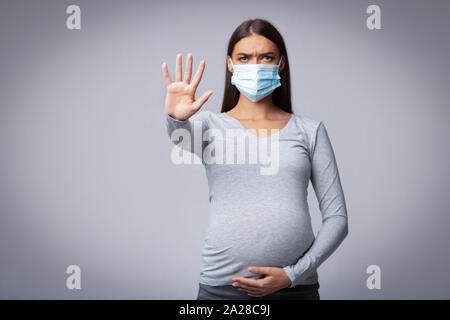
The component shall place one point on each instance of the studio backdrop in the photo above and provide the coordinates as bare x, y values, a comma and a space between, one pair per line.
87, 185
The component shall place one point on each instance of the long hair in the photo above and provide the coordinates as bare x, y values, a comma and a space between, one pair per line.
281, 96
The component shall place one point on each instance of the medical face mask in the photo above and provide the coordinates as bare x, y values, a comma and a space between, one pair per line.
256, 81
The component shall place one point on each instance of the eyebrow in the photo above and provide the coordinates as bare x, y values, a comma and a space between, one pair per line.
247, 54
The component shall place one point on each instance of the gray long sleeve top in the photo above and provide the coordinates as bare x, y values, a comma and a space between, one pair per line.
263, 219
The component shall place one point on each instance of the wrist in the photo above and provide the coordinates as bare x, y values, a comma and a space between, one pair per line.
176, 119
289, 276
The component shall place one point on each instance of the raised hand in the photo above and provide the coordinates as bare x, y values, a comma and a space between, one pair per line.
180, 98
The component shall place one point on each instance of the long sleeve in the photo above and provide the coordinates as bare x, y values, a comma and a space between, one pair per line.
187, 135
327, 186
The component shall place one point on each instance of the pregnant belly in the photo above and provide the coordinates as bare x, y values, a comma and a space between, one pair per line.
271, 237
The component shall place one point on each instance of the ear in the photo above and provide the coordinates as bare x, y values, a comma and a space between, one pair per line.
230, 67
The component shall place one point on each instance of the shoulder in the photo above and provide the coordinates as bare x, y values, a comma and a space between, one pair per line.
202, 115
309, 124
310, 127
212, 119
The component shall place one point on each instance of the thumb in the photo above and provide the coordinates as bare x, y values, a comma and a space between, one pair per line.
260, 270
202, 99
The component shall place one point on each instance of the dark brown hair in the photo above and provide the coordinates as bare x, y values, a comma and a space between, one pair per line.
281, 96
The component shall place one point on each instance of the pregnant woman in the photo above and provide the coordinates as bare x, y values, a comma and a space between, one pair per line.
259, 243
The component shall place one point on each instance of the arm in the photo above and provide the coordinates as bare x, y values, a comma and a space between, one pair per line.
188, 134
326, 183
182, 109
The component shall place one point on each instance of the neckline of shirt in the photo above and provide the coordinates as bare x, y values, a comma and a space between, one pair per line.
244, 128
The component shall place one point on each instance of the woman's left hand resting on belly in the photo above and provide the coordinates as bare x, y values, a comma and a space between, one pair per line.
275, 279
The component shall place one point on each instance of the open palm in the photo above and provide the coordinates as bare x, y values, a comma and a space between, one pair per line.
180, 98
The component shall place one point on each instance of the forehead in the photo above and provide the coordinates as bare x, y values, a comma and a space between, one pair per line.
254, 44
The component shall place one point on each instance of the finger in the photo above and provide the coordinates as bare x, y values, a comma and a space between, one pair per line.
249, 288
166, 74
178, 68
188, 71
198, 74
200, 101
256, 295
250, 292
260, 270
248, 282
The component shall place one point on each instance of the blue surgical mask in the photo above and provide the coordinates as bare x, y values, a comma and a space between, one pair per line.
256, 81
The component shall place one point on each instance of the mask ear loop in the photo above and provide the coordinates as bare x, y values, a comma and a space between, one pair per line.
279, 63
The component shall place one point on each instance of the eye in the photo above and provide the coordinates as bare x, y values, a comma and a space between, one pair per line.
269, 58
242, 58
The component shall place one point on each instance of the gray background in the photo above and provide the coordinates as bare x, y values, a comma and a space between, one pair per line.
85, 170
